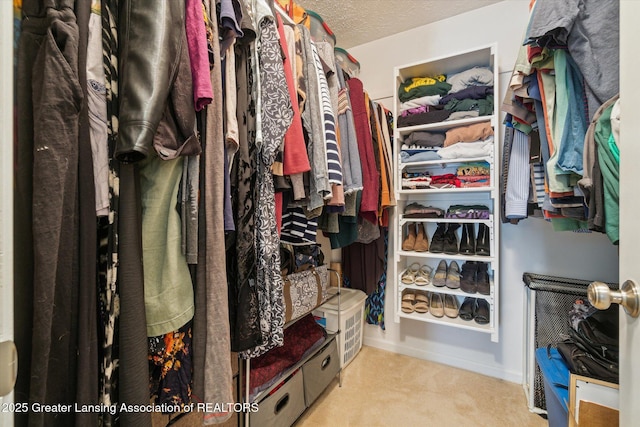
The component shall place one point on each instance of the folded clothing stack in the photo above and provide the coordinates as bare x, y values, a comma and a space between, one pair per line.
468, 212
474, 174
416, 210
421, 146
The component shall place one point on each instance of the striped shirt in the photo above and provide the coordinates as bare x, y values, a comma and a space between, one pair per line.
334, 165
297, 229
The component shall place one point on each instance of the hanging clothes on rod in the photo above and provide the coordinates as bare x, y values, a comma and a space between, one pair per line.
553, 96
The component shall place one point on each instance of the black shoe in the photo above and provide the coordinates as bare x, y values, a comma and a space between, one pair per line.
483, 241
468, 282
467, 308
482, 279
481, 312
451, 239
468, 241
437, 241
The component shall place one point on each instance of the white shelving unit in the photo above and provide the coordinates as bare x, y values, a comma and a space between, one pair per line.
485, 56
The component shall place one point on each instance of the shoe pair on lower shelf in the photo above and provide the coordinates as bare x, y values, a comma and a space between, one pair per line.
447, 275
444, 305
475, 278
476, 309
439, 305
417, 301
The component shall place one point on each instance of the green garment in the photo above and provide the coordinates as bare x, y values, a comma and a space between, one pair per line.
615, 151
168, 291
522, 127
609, 168
568, 224
434, 87
560, 181
348, 224
484, 106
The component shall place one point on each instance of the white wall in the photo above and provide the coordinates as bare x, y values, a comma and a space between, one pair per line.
6, 190
531, 246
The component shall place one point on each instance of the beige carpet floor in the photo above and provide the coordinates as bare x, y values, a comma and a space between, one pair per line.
380, 388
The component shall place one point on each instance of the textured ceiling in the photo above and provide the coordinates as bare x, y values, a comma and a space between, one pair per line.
355, 22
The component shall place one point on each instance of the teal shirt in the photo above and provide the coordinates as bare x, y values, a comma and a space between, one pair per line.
609, 167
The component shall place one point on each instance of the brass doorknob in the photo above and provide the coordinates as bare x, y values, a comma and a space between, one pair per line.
601, 297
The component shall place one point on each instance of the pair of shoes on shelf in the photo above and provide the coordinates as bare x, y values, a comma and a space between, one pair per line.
422, 302
444, 305
476, 309
475, 278
416, 238
469, 245
445, 239
408, 301
448, 276
417, 274
415, 301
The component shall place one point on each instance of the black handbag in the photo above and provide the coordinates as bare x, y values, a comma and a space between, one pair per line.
591, 347
584, 363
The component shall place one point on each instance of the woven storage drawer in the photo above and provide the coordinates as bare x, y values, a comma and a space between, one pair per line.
319, 371
282, 407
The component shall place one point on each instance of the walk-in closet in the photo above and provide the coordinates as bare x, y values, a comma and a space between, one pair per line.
255, 213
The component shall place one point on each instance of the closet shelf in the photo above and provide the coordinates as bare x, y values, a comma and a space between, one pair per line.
455, 190
266, 392
487, 222
483, 56
446, 256
445, 290
447, 321
443, 125
443, 162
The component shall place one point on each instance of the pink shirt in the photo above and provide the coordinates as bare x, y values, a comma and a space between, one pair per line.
198, 54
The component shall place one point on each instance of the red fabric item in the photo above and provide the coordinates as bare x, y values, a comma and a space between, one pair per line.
295, 158
370, 174
532, 52
555, 195
474, 178
447, 178
384, 219
198, 54
298, 338
279, 211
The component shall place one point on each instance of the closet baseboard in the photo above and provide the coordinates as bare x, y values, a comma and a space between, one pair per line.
446, 359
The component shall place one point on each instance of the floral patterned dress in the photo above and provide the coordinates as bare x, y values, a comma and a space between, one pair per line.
274, 106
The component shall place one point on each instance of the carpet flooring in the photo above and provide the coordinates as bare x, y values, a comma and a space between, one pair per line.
380, 388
